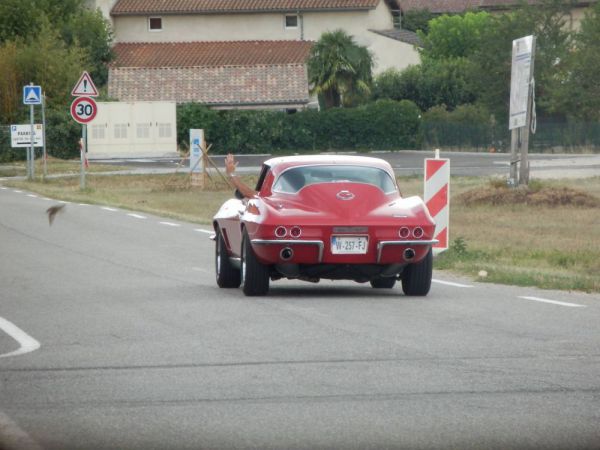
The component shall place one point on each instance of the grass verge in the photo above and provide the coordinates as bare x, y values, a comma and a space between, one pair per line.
548, 245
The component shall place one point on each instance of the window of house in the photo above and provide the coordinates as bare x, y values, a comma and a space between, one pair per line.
164, 130
143, 130
155, 23
120, 130
291, 21
98, 131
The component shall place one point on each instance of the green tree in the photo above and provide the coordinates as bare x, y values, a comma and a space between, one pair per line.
492, 58
434, 82
9, 83
578, 92
339, 70
91, 31
416, 20
16, 19
454, 36
47, 61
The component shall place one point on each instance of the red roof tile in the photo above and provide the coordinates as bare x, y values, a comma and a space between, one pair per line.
210, 54
132, 7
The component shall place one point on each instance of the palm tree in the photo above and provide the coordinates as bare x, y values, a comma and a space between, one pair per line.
339, 69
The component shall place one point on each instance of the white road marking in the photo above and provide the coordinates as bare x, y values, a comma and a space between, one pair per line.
3, 188
137, 216
26, 342
170, 224
13, 437
554, 302
108, 208
32, 195
204, 231
450, 283
17, 192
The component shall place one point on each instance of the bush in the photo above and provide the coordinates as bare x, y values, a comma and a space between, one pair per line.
384, 124
62, 134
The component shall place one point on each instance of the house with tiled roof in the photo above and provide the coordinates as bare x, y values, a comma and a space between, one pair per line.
240, 53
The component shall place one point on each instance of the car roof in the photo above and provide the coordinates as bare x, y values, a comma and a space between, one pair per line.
282, 163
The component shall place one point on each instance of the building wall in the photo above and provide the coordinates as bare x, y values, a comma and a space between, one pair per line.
391, 54
265, 26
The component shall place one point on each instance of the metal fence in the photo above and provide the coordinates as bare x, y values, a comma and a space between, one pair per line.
550, 137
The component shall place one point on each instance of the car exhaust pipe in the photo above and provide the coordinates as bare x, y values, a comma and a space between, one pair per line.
409, 254
286, 254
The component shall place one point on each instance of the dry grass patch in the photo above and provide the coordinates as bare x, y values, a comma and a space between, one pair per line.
536, 194
548, 236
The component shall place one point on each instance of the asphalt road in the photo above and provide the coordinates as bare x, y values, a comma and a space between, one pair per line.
409, 162
113, 335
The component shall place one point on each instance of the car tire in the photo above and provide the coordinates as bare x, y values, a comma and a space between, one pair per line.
383, 283
227, 275
416, 278
255, 275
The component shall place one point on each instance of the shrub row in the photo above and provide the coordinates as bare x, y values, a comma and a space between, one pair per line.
384, 124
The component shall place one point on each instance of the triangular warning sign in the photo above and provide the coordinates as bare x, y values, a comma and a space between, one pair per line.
85, 87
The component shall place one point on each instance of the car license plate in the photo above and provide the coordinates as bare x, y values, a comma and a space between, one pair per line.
349, 245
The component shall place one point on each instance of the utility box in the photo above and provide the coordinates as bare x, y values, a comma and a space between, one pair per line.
133, 130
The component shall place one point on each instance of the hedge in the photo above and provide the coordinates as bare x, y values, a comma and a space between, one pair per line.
62, 137
385, 124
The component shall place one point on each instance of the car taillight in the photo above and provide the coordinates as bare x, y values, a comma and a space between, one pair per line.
280, 232
418, 232
295, 232
404, 232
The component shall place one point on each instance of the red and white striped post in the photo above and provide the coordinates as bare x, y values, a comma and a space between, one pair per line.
437, 198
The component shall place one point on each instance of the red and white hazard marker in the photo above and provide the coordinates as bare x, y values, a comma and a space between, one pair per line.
437, 198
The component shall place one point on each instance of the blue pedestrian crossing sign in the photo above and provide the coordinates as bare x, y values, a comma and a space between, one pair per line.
32, 95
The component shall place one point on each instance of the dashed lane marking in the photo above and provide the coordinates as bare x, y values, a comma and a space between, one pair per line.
553, 302
170, 224
26, 343
203, 231
451, 283
108, 208
137, 216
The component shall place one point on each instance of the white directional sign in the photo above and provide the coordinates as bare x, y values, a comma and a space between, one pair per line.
197, 142
20, 135
84, 109
32, 95
85, 87
520, 80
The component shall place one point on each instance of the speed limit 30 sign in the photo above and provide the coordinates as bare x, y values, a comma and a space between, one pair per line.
84, 109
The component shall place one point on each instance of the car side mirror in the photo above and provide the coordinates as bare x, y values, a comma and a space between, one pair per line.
238, 194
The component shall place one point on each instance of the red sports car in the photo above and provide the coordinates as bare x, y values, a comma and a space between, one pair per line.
324, 216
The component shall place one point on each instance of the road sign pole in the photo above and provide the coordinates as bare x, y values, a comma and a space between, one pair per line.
82, 151
30, 160
44, 134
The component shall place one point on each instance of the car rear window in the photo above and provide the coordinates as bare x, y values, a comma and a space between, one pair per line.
294, 179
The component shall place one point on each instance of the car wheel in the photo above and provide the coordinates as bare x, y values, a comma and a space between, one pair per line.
383, 283
227, 275
416, 278
255, 275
